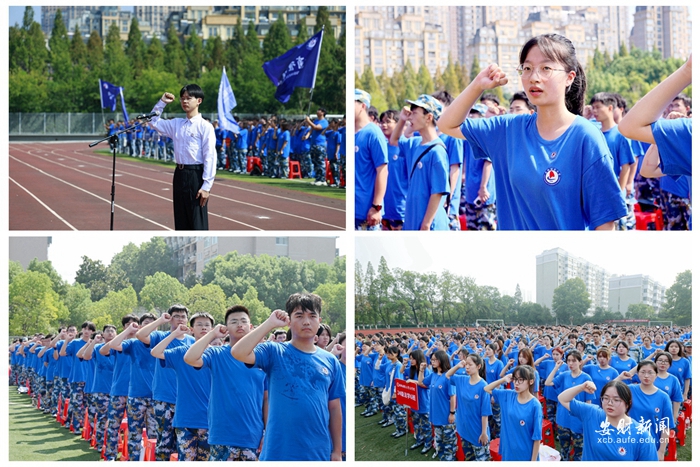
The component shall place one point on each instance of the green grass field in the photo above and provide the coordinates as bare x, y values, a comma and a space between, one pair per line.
374, 443
37, 437
287, 184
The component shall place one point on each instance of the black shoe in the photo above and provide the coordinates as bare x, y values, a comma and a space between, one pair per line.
415, 445
426, 449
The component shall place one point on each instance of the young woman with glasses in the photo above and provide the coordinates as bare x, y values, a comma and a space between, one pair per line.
610, 434
553, 169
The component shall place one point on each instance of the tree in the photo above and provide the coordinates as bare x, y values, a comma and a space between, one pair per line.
114, 305
214, 52
425, 81
174, 55
194, 53
90, 274
369, 84
277, 41
136, 48
78, 49
570, 301
95, 52
15, 270
78, 303
60, 50
45, 267
207, 298
257, 309
679, 299
117, 67
34, 305
475, 69
160, 291
334, 305
640, 311
147, 259
155, 55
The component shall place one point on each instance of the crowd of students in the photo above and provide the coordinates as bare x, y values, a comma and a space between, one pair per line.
202, 390
552, 161
610, 393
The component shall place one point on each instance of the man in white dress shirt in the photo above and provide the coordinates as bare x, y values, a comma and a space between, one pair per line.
195, 155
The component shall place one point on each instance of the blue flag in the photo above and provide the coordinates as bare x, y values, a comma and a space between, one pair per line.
226, 103
108, 97
296, 68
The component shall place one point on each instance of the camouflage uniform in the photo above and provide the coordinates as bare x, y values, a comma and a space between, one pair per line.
219, 452
446, 442
481, 218
318, 159
495, 420
677, 211
475, 452
140, 414
192, 444
77, 404
422, 429
101, 408
399, 415
166, 442
567, 440
551, 411
117, 404
374, 398
55, 391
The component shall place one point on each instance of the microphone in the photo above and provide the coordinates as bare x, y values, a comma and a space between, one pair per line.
155, 113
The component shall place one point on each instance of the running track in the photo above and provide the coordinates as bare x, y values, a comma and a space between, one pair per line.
66, 186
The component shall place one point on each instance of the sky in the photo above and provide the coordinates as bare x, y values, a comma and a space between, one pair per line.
67, 249
505, 259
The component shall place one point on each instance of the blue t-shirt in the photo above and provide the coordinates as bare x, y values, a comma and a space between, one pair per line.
142, 368
317, 137
493, 370
284, 137
440, 391
341, 142
370, 154
193, 390
396, 186
104, 370
600, 378
567, 183
521, 425
342, 400
670, 386
241, 408
603, 442
620, 365
305, 144
65, 364
331, 144
563, 382
454, 157
300, 387
674, 139
619, 148
366, 362
423, 393
164, 380
654, 411
389, 378
681, 369
242, 142
121, 374
378, 373
430, 177
77, 374
472, 404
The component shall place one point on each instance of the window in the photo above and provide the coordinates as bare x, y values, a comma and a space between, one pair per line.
281, 240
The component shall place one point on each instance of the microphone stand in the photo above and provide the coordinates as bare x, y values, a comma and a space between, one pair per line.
113, 141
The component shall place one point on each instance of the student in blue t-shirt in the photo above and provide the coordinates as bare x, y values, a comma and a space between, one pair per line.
392, 372
397, 181
602, 373
283, 147
521, 415
164, 379
610, 434
420, 417
140, 400
473, 406
298, 371
553, 169
667, 382
681, 367
332, 146
426, 163
371, 171
569, 428
247, 406
318, 144
673, 138
77, 375
442, 406
651, 406
191, 422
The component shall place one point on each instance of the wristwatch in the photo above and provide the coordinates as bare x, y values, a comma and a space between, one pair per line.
377, 207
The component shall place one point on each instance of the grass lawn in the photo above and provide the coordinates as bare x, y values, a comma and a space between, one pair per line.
34, 436
287, 184
374, 443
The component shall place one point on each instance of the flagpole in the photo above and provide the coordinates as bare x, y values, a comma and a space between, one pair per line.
313, 85
102, 104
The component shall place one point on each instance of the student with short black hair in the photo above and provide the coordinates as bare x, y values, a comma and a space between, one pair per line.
316, 416
77, 376
195, 155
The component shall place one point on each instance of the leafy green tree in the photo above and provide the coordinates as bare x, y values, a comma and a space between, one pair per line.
60, 50
410, 81
45, 267
15, 269
194, 53
155, 55
571, 301
425, 81
214, 53
147, 259
370, 85
160, 291
640, 311
277, 41
95, 52
78, 303
475, 68
331, 67
303, 34
136, 48
78, 49
34, 54
92, 274
679, 300
450, 78
256, 307
174, 55
114, 305
34, 304
334, 305
207, 298
117, 67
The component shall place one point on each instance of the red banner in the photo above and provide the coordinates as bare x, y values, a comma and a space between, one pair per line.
406, 393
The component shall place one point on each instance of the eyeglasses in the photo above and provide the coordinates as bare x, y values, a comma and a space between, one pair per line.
519, 380
234, 322
647, 373
543, 71
611, 400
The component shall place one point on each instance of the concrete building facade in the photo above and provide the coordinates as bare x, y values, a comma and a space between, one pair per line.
635, 289
25, 249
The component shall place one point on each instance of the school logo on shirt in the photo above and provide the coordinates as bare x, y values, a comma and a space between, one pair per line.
553, 155
476, 396
667, 389
607, 378
622, 451
552, 176
657, 410
420, 165
357, 148
324, 371
396, 156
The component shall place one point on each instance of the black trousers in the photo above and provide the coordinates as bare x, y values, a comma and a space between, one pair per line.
189, 215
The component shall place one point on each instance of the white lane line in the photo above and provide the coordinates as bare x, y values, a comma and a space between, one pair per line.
92, 194
43, 204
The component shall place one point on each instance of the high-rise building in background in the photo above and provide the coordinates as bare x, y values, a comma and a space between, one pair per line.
667, 29
388, 37
88, 19
632, 290
193, 253
25, 249
556, 266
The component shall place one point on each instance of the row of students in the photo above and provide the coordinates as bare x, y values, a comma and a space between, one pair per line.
197, 422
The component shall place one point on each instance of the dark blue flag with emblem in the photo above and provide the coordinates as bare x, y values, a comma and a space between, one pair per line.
108, 97
296, 68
